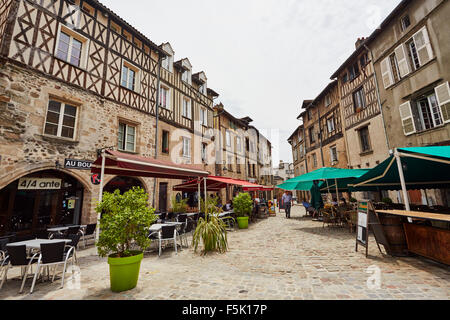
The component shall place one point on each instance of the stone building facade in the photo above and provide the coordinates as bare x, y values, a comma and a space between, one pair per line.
411, 55
76, 78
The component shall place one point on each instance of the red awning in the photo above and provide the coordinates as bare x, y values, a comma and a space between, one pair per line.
123, 164
217, 183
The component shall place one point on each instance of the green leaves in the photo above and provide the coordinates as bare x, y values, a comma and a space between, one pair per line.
243, 205
179, 206
125, 220
212, 232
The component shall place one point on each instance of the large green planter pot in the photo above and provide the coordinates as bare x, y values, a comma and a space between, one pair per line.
242, 222
124, 272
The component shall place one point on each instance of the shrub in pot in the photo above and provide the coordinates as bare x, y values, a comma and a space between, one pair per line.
242, 205
124, 225
210, 230
180, 206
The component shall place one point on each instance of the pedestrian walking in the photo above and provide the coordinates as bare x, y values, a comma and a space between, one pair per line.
287, 203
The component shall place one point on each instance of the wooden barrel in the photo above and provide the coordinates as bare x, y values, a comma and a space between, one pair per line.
395, 234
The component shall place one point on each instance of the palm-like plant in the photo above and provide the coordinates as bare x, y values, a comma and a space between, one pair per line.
211, 230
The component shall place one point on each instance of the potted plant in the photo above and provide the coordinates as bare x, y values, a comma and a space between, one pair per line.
179, 206
211, 230
124, 224
243, 206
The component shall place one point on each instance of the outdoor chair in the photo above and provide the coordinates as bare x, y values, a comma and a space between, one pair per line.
42, 234
4, 258
352, 220
89, 233
53, 254
186, 228
18, 258
73, 244
168, 233
170, 216
162, 217
328, 218
182, 217
73, 230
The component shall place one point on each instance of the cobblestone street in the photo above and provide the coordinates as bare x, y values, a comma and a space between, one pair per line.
275, 259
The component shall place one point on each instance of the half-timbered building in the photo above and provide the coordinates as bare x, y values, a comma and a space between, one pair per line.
76, 78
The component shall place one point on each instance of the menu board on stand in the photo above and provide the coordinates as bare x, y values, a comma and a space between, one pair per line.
362, 231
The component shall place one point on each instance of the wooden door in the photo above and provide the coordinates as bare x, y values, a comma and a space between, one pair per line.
163, 196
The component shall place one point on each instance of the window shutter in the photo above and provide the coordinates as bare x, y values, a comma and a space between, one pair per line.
423, 46
406, 116
386, 73
402, 60
443, 98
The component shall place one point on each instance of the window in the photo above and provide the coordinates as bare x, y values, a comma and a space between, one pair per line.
186, 76
238, 144
230, 163
61, 120
312, 138
359, 100
167, 63
353, 71
314, 157
187, 108
204, 152
165, 142
164, 97
203, 88
129, 77
228, 138
429, 113
364, 139
252, 147
309, 114
364, 60
327, 100
127, 137
186, 147
69, 49
204, 117
345, 77
412, 54
295, 155
333, 155
405, 23
394, 67
238, 165
330, 125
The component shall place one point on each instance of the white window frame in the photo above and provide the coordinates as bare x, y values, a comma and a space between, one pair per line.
386, 72
168, 97
62, 110
167, 63
238, 144
186, 147
331, 120
228, 138
73, 35
333, 159
187, 74
137, 74
203, 117
443, 98
187, 108
432, 112
120, 148
327, 100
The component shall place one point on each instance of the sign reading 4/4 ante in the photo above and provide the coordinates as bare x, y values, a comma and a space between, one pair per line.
77, 164
39, 184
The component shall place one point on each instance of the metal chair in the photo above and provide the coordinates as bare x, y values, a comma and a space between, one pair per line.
18, 258
90, 231
73, 230
53, 254
188, 227
167, 233
4, 257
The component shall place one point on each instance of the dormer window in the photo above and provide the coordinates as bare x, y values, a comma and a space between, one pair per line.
186, 76
203, 88
405, 23
167, 62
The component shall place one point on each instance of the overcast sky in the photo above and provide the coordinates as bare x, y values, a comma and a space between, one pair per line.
264, 57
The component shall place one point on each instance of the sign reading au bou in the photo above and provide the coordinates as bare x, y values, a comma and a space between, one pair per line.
39, 184
77, 164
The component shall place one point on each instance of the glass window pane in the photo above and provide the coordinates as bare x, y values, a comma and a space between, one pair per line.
124, 76
51, 129
70, 110
53, 117
76, 44
67, 132
130, 147
121, 136
54, 106
69, 121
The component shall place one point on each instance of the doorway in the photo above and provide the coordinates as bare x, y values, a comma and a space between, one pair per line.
163, 187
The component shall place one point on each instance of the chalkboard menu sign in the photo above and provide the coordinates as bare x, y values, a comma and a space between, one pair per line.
362, 232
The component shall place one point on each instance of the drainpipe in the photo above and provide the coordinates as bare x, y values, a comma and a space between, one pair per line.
378, 96
157, 120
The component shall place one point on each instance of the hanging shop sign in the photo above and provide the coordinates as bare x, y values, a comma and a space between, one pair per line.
39, 184
95, 179
77, 164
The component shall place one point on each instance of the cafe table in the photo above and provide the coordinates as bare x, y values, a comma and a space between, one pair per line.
36, 243
158, 226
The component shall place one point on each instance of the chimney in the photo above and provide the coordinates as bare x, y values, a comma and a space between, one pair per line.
359, 42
